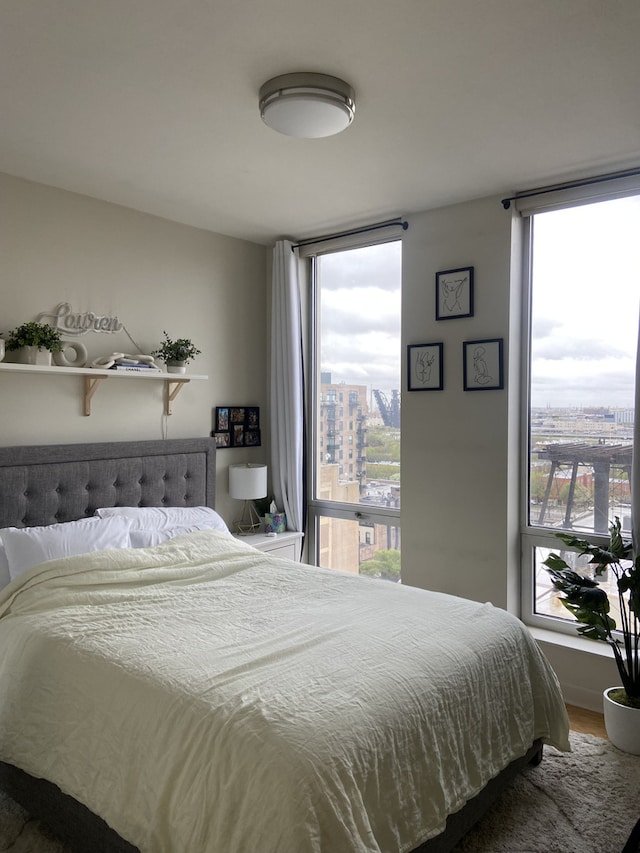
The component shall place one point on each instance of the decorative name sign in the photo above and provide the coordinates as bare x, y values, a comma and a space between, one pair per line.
69, 323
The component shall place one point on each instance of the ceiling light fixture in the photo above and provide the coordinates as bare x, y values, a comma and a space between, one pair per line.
307, 105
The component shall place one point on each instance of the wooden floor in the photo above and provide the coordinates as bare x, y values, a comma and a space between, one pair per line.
586, 722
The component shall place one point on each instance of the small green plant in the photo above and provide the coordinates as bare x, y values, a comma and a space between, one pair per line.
583, 597
40, 335
182, 349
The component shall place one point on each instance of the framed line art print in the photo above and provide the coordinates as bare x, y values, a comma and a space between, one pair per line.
425, 368
454, 293
482, 365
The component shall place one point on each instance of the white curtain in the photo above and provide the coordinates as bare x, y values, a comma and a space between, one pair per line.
287, 407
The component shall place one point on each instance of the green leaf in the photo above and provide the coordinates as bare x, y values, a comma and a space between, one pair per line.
555, 562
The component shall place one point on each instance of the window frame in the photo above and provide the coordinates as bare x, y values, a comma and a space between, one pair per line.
536, 536
316, 507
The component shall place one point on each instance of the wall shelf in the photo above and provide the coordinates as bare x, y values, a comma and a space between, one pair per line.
93, 378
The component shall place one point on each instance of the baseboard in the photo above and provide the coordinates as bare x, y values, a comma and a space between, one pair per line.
590, 700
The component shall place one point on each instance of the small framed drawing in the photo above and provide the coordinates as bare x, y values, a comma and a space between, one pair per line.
454, 293
425, 367
482, 365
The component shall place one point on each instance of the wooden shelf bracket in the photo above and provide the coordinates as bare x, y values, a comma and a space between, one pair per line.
91, 384
171, 390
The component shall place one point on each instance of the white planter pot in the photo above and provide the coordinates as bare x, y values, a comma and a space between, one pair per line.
33, 355
622, 724
176, 368
2, 348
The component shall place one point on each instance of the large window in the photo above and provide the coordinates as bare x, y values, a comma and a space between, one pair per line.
354, 505
585, 288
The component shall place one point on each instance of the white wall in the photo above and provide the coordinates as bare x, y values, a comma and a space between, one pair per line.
455, 454
461, 450
153, 274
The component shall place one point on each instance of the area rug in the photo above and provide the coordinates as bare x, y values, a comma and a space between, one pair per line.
586, 801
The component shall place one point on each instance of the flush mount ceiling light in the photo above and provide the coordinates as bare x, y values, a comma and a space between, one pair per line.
307, 105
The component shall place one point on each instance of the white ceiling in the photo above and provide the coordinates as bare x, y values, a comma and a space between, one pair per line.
153, 103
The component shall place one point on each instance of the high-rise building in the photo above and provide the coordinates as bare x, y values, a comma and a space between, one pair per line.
342, 437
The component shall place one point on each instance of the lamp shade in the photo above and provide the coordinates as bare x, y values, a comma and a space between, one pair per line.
248, 481
307, 105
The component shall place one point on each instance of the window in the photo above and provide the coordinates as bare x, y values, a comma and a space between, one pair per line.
584, 292
354, 509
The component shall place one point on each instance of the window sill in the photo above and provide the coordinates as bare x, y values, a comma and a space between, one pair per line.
567, 641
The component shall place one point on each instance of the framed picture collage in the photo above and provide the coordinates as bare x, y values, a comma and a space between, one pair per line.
237, 426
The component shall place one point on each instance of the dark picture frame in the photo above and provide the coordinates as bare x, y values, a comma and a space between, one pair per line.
425, 367
482, 365
237, 426
454, 293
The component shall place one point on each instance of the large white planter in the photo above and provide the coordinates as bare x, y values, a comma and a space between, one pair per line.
33, 355
176, 367
622, 724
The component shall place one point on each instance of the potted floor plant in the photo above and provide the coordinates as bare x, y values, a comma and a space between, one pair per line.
34, 342
589, 604
176, 353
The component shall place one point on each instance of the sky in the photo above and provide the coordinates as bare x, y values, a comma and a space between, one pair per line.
586, 288
360, 316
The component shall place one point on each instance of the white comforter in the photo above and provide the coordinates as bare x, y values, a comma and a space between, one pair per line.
204, 699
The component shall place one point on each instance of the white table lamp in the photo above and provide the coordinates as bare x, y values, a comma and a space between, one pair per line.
248, 482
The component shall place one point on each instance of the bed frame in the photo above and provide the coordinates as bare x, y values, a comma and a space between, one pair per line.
56, 483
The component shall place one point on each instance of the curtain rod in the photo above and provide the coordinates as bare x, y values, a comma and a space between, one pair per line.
630, 173
388, 224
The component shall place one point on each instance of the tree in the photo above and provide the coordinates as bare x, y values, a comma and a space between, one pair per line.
384, 565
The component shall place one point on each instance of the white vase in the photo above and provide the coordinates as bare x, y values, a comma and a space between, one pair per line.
176, 367
72, 354
622, 724
33, 355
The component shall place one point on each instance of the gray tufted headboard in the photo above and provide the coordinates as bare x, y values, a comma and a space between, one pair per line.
44, 484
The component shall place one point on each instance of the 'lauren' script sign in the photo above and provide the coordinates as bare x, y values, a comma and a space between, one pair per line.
69, 323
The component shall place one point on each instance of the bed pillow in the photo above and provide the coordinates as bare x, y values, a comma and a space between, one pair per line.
147, 538
167, 518
28, 546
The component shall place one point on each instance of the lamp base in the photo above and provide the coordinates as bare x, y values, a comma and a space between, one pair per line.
249, 522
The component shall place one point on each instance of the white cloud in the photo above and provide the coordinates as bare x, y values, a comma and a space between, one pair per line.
360, 321
585, 305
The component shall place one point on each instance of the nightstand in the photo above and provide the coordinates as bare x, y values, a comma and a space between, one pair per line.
287, 544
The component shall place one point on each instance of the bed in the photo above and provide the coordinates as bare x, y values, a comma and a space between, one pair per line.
188, 692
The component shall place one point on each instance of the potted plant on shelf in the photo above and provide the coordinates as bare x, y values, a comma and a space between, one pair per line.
176, 354
584, 598
34, 342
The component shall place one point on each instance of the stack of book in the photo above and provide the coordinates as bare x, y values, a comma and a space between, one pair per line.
135, 364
